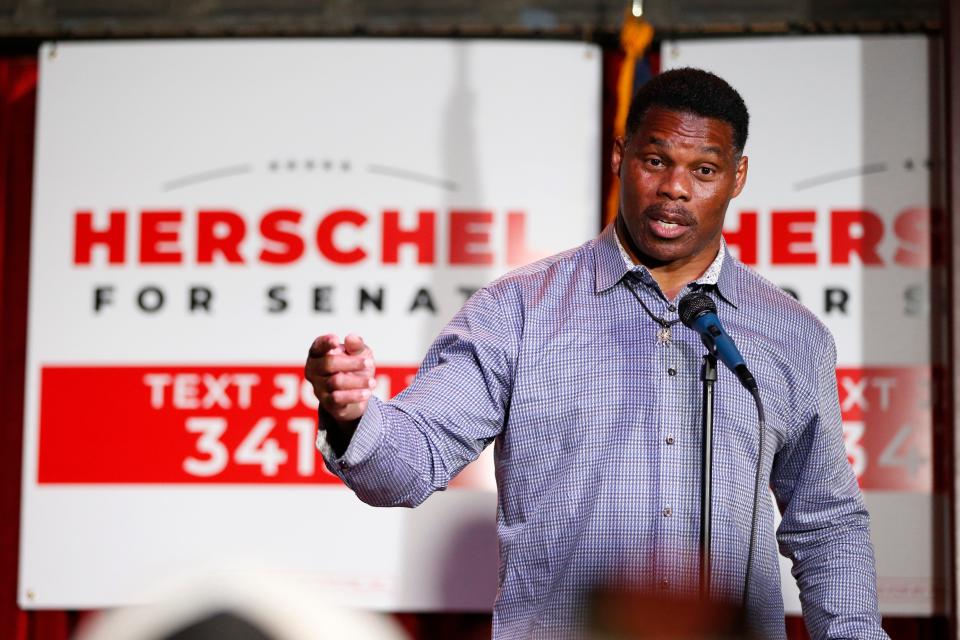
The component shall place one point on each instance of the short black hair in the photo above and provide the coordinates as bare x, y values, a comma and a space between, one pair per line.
692, 91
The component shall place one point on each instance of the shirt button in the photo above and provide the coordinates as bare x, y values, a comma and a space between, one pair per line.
672, 371
667, 512
664, 583
670, 440
343, 464
672, 308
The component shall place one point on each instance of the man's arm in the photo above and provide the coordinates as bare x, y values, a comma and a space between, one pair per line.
397, 453
825, 528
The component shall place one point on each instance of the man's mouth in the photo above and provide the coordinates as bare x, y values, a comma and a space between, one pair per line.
668, 222
667, 230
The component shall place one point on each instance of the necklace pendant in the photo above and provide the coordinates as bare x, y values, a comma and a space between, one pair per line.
664, 336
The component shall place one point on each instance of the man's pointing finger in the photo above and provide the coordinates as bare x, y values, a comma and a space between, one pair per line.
323, 345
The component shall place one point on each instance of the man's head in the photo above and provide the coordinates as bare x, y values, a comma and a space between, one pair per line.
680, 163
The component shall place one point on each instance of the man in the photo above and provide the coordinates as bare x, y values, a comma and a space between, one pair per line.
576, 367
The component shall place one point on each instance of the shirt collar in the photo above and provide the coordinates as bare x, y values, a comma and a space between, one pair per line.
610, 266
613, 262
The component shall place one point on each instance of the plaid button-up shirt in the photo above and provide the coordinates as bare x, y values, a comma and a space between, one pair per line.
596, 426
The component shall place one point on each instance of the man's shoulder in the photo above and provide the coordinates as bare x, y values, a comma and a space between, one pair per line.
555, 270
777, 309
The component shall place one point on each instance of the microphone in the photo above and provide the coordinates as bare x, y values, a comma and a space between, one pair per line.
698, 312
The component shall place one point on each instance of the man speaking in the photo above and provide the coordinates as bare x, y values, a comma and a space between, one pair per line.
579, 371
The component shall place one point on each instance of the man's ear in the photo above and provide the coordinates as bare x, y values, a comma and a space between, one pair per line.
740, 178
616, 154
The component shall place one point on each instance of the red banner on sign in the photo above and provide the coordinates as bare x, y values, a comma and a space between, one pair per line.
134, 425
887, 426
236, 425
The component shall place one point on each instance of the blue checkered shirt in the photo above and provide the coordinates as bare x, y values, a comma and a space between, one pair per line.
596, 429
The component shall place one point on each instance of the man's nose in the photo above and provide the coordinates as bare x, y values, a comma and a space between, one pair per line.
675, 184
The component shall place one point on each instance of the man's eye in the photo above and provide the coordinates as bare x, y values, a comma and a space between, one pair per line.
655, 162
706, 171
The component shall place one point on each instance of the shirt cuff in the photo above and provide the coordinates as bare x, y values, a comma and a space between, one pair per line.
365, 441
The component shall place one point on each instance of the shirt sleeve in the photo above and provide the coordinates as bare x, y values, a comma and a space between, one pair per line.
825, 529
405, 449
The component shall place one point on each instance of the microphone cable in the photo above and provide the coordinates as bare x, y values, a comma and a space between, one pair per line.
761, 416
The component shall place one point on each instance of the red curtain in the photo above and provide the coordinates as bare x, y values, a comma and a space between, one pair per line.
18, 82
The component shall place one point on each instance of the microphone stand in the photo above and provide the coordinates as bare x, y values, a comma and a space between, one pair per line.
709, 376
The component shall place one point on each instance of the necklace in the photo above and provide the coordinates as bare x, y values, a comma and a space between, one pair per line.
664, 333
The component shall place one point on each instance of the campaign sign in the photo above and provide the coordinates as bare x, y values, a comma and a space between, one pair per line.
202, 211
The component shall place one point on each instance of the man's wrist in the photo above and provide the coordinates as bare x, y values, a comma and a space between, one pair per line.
339, 433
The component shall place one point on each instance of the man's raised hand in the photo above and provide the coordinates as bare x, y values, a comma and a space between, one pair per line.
342, 376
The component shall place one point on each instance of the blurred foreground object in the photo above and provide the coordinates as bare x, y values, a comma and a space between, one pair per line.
621, 614
247, 606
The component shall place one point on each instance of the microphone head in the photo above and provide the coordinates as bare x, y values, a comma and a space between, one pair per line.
693, 305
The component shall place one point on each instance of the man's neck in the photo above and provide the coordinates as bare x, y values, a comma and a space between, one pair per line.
673, 276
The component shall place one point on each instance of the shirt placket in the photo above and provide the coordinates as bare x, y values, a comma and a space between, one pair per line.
675, 507
672, 507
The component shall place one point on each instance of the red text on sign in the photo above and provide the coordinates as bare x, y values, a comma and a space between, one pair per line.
341, 236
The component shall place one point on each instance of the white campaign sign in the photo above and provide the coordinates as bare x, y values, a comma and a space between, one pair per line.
202, 211
836, 210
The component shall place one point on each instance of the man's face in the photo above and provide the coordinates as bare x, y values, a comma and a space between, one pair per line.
677, 173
